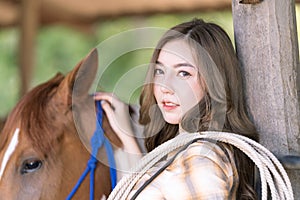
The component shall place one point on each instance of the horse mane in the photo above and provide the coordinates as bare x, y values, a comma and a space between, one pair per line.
36, 120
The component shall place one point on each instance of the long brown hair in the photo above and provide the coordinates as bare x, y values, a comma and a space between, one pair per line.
221, 109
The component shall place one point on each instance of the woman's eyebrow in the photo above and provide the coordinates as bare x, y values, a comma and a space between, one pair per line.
177, 65
184, 65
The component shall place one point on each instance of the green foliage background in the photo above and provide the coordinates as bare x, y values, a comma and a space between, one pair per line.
59, 48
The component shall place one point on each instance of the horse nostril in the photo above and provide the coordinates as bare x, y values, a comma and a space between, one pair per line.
31, 165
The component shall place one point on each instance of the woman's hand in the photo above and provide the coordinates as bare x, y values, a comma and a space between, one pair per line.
119, 118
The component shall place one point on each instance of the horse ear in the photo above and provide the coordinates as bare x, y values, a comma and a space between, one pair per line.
78, 82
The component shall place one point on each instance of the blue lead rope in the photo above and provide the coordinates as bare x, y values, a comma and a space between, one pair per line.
97, 140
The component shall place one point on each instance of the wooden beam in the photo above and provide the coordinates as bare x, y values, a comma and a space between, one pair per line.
267, 46
101, 8
90, 11
29, 28
9, 14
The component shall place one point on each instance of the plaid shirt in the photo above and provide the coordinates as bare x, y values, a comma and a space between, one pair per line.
202, 171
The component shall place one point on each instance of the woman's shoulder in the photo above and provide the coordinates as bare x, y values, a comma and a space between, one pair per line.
210, 149
209, 153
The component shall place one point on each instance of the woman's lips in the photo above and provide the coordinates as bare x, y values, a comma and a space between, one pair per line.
168, 105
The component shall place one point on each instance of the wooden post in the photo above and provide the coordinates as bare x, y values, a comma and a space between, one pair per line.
267, 47
28, 30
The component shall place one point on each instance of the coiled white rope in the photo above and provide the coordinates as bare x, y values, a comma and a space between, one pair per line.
271, 171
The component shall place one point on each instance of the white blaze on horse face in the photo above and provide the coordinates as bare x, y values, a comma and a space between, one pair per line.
11, 148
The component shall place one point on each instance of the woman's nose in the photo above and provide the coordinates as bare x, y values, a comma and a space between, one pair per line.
167, 87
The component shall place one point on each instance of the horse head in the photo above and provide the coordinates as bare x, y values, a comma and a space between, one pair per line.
43, 145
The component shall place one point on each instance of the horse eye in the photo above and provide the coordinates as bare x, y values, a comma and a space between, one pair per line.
31, 165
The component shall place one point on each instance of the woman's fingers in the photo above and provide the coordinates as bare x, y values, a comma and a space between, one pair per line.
107, 108
111, 98
116, 111
105, 96
119, 119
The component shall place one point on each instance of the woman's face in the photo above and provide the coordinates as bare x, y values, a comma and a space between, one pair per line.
177, 86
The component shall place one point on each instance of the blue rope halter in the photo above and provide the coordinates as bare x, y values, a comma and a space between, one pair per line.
97, 140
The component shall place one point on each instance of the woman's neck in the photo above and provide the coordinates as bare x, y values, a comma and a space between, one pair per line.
180, 130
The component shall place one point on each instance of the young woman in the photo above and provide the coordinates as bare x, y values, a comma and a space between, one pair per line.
193, 84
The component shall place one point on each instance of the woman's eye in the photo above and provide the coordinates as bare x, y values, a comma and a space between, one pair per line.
184, 74
158, 72
31, 165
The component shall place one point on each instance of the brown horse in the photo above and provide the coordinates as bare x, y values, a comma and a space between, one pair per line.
41, 153
2, 121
